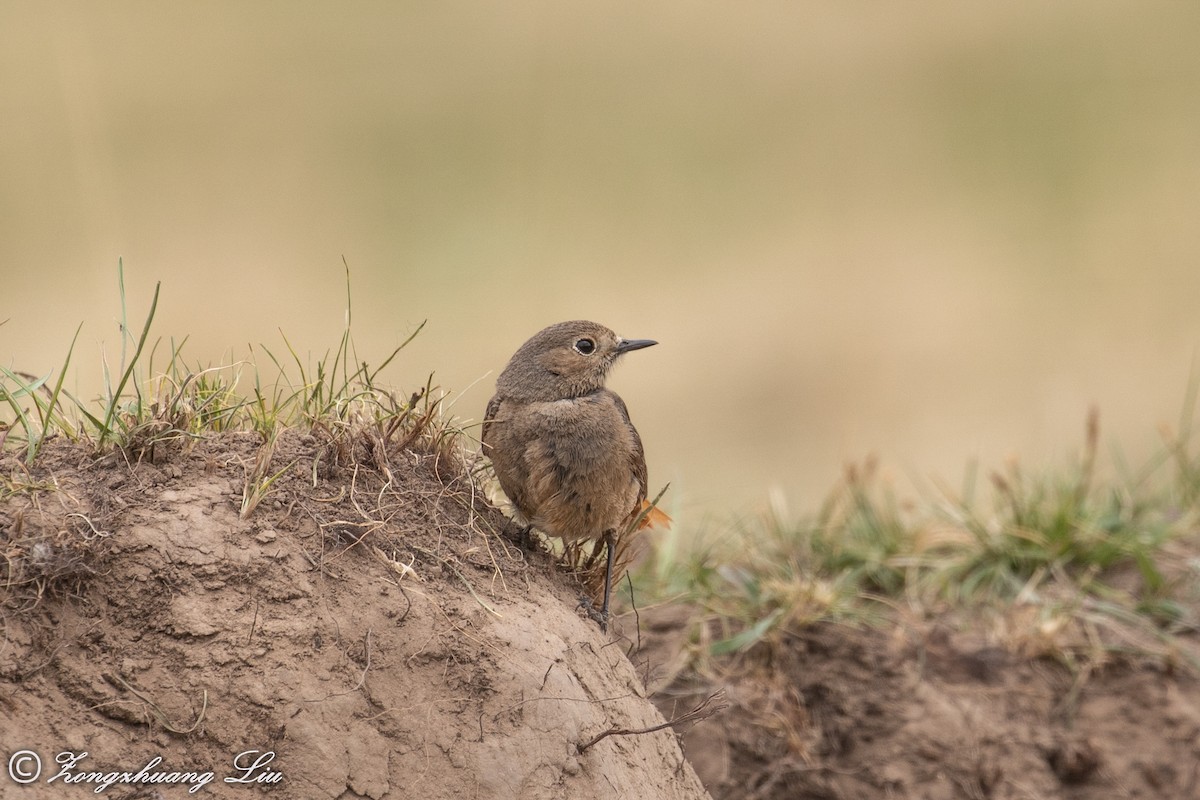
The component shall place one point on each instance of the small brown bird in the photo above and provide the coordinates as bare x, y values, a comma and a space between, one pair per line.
562, 445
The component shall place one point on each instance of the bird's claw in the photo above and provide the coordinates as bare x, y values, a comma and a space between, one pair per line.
600, 617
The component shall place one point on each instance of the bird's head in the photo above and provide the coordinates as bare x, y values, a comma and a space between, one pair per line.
566, 360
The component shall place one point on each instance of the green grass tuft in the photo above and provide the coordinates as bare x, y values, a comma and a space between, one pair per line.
149, 407
1065, 565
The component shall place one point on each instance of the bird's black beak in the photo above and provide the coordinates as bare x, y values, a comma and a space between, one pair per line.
625, 345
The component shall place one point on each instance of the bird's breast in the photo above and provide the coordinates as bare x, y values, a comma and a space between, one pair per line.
568, 464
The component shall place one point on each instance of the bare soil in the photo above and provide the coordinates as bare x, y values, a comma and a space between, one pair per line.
366, 624
936, 714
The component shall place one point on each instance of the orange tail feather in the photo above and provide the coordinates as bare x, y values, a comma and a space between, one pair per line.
654, 518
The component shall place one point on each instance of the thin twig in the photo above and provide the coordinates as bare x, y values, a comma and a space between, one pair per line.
253, 622
637, 618
713, 704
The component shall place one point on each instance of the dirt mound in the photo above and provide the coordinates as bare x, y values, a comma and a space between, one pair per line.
365, 624
845, 714
366, 632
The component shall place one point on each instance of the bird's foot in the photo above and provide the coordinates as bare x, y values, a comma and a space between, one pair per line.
528, 540
599, 616
524, 538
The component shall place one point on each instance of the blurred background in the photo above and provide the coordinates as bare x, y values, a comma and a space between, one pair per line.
933, 232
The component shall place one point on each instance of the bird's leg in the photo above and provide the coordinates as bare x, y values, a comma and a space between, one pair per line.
608, 545
585, 602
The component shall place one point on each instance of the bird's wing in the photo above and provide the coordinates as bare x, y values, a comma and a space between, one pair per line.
652, 517
637, 457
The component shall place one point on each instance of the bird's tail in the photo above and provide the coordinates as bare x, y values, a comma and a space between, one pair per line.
652, 517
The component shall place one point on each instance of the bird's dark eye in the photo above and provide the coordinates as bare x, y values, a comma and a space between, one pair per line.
585, 347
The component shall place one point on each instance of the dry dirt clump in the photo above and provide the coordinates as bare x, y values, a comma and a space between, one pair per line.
363, 622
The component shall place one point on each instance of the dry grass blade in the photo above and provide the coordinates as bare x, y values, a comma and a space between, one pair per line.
159, 714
